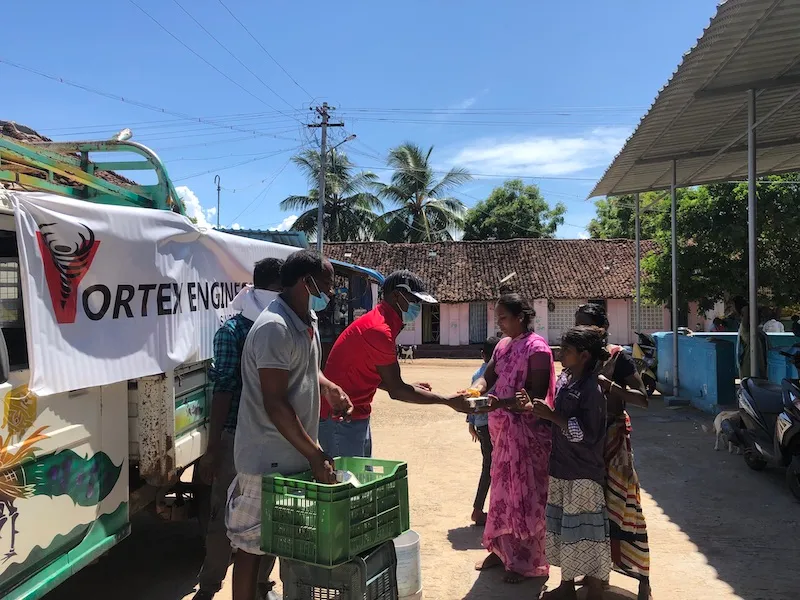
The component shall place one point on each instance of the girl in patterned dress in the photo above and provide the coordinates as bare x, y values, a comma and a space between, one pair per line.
620, 381
577, 523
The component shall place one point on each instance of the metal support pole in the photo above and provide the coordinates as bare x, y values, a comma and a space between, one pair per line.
674, 228
638, 314
216, 180
752, 263
323, 155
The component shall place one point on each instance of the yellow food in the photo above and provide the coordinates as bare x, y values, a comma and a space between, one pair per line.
473, 393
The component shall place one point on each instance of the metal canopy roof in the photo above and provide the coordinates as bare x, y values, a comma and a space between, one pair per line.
699, 119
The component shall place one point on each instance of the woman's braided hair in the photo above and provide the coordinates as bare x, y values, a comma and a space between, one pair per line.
590, 339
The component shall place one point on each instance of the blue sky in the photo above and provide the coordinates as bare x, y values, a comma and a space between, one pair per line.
504, 88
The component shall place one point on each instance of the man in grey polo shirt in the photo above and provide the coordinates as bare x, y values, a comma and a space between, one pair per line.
279, 409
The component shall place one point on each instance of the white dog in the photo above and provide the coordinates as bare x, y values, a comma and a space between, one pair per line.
724, 415
407, 352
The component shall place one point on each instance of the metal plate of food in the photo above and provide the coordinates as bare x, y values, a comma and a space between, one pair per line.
479, 402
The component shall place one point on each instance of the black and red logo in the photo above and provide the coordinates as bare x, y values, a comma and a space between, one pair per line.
66, 262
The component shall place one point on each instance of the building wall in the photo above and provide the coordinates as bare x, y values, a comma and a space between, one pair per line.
620, 330
411, 334
561, 318
454, 318
540, 322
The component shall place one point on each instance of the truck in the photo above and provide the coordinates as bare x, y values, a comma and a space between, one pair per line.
109, 299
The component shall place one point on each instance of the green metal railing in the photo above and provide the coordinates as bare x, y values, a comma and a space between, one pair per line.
65, 168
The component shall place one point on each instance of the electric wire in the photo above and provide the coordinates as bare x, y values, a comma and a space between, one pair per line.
260, 45
201, 57
236, 58
132, 102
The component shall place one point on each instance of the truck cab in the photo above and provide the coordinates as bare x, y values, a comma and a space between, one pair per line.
109, 300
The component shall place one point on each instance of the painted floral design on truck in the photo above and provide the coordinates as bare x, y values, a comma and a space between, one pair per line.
24, 475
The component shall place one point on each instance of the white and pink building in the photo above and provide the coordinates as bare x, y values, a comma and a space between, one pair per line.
556, 275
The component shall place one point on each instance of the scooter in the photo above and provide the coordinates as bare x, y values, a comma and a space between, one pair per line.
643, 353
767, 427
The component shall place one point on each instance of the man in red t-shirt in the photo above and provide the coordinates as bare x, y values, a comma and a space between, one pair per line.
364, 358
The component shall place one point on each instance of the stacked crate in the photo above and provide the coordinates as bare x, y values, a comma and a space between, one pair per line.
335, 541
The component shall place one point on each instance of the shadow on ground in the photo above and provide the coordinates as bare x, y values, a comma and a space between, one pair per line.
159, 561
466, 538
741, 521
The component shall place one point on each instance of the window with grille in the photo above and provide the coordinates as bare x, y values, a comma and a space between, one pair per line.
478, 322
10, 296
652, 316
561, 319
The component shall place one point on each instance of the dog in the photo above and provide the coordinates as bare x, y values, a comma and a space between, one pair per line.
407, 353
720, 441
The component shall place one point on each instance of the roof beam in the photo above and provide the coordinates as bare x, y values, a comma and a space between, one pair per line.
725, 150
760, 84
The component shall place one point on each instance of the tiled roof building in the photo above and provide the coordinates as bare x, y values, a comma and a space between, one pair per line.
555, 275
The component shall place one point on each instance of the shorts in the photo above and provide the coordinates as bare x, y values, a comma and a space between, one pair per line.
243, 513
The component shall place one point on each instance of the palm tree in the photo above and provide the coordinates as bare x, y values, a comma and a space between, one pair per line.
350, 208
425, 212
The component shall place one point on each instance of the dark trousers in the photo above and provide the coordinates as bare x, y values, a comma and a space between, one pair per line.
486, 466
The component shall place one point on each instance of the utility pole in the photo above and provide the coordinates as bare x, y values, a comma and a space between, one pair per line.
216, 180
322, 111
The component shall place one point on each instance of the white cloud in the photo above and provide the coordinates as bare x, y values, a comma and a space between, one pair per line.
464, 104
583, 235
286, 224
194, 209
541, 155
236, 227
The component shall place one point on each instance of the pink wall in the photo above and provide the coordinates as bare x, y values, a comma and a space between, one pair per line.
540, 322
491, 321
454, 324
619, 318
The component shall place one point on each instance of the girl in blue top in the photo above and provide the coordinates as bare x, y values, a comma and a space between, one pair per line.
479, 430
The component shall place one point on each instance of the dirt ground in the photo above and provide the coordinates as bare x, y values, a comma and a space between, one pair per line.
717, 530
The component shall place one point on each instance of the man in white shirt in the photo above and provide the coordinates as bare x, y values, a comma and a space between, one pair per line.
773, 325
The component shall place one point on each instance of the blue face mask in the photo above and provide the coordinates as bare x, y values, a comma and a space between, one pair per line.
410, 314
317, 303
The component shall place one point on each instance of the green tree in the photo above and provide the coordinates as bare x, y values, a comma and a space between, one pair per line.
616, 219
514, 210
350, 207
712, 243
424, 211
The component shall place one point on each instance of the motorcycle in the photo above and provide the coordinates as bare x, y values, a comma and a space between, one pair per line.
767, 427
643, 353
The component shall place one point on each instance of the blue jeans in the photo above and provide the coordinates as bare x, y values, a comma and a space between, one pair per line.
345, 438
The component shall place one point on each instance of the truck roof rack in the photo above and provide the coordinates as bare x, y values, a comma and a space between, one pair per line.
65, 168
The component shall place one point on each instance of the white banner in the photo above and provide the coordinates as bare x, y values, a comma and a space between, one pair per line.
114, 293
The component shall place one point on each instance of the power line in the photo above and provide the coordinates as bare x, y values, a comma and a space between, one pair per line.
488, 175
201, 158
264, 191
238, 164
149, 139
260, 45
236, 58
551, 110
265, 115
222, 143
198, 55
482, 123
140, 104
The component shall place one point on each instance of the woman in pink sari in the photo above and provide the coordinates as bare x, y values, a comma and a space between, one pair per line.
515, 527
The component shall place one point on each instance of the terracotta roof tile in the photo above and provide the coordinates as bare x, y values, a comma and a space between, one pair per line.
471, 271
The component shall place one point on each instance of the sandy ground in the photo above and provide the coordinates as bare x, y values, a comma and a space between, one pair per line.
717, 530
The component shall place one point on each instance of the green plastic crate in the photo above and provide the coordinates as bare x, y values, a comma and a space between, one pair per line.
328, 525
